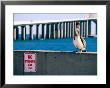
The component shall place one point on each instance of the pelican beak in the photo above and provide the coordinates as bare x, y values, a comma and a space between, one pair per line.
76, 32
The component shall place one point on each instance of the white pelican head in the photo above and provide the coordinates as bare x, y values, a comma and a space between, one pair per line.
77, 29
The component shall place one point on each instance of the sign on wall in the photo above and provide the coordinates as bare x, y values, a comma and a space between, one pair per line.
30, 62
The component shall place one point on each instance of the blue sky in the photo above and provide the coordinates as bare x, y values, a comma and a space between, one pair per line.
44, 16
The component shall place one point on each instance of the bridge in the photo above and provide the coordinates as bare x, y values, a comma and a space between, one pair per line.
54, 29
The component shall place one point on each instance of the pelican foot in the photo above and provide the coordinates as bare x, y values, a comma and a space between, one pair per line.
83, 50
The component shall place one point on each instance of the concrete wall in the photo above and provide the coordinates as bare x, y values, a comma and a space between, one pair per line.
58, 63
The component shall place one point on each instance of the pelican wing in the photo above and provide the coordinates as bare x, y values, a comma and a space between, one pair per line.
83, 42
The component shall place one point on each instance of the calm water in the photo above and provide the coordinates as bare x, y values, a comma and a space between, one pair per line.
54, 44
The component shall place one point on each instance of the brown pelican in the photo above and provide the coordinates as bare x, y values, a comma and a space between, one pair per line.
78, 40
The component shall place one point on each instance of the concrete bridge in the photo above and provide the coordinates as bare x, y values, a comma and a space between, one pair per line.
54, 29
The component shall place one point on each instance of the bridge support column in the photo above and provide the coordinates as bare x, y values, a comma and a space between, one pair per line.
95, 21
50, 31
37, 32
89, 28
65, 29
60, 24
31, 32
42, 29
62, 30
54, 30
15, 32
23, 29
70, 29
84, 29
45, 30
74, 28
81, 28
58, 30
96, 27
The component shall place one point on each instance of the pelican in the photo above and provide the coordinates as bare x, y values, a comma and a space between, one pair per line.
78, 40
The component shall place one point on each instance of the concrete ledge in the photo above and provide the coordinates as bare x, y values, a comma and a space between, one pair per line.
54, 51
58, 63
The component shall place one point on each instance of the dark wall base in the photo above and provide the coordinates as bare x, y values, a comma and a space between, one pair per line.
58, 63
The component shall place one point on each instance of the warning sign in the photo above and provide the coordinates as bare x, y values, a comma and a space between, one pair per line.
30, 62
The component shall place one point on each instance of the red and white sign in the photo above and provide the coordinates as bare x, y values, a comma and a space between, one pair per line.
29, 62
